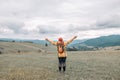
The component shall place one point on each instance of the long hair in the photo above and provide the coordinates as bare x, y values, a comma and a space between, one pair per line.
60, 45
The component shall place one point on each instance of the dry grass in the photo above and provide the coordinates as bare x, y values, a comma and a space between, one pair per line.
23, 47
86, 65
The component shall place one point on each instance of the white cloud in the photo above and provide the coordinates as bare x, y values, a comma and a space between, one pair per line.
54, 18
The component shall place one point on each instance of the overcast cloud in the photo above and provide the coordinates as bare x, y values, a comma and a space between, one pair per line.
37, 19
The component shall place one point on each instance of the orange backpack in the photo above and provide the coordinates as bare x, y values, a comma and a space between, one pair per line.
60, 46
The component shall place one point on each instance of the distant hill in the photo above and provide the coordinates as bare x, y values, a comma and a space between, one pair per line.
23, 40
43, 42
82, 45
96, 43
76, 42
104, 41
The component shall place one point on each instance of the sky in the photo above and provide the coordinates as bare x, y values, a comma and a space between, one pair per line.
39, 19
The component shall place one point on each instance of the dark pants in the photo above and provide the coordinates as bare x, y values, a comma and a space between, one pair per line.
62, 63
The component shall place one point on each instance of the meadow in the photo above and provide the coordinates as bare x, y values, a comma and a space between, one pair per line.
81, 65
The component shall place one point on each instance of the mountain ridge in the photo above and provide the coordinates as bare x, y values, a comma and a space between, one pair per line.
85, 44
97, 43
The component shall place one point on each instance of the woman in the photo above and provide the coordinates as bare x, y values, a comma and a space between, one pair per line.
61, 48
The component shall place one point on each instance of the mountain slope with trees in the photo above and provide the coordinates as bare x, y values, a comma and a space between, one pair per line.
96, 43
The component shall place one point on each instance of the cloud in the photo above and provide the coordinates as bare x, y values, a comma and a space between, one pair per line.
111, 22
51, 29
14, 26
29, 8
53, 18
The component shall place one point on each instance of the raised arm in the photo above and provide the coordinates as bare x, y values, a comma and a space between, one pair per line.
52, 42
69, 41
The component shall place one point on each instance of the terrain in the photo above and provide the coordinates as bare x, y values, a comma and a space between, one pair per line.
38, 62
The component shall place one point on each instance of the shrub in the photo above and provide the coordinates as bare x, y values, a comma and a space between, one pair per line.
0, 52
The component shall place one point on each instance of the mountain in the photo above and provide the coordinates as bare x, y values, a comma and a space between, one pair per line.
76, 42
36, 41
23, 40
104, 41
87, 44
96, 43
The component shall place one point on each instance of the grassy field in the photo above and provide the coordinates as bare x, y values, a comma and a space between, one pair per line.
81, 65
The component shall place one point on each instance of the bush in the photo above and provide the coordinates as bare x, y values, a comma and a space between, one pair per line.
19, 51
0, 52
39, 50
